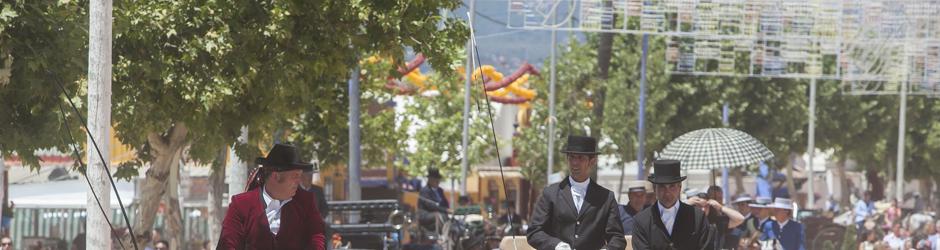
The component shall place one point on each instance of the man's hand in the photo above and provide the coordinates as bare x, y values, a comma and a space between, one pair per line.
715, 204
562, 246
696, 201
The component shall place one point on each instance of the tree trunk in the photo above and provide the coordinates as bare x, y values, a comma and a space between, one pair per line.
534, 195
646, 168
925, 189
739, 181
889, 178
604, 53
791, 187
238, 171
166, 150
932, 196
605, 47
3, 189
524, 186
6, 66
844, 186
174, 215
216, 189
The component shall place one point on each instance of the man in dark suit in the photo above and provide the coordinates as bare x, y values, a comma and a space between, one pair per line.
276, 213
670, 224
432, 202
576, 213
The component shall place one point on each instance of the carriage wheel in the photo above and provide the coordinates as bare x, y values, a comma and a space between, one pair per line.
832, 234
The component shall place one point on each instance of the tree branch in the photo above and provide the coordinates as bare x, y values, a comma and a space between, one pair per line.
177, 137
156, 142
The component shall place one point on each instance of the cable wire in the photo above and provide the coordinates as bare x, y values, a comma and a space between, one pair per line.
104, 162
78, 157
489, 110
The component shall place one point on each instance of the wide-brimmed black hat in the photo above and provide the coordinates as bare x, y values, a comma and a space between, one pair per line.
666, 172
434, 173
581, 145
283, 157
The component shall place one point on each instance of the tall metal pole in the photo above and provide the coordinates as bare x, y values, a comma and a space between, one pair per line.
811, 194
724, 171
354, 192
551, 108
99, 121
641, 122
465, 141
901, 134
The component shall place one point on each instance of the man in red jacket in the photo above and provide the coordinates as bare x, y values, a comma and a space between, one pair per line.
277, 213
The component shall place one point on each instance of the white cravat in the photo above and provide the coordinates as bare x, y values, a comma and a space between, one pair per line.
578, 191
668, 215
783, 224
273, 211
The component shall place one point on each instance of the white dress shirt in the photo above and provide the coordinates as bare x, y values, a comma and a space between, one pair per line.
668, 215
783, 224
578, 191
894, 242
934, 241
761, 223
273, 211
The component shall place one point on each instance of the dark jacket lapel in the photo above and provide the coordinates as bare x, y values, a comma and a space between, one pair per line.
658, 220
566, 195
590, 198
685, 216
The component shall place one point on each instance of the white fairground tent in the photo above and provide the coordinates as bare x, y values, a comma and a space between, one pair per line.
63, 194
54, 211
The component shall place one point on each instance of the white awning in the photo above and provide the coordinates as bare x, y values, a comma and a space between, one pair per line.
494, 172
63, 194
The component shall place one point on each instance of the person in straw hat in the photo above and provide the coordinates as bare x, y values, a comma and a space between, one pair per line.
785, 231
636, 192
577, 213
276, 212
761, 214
742, 204
670, 224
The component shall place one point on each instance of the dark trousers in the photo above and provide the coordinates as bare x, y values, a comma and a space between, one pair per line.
860, 230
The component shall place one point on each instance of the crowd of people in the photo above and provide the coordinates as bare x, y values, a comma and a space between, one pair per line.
894, 227
749, 223
578, 214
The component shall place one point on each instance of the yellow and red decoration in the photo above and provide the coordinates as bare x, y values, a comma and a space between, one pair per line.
512, 89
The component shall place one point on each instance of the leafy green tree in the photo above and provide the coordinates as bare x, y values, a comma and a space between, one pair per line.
190, 74
41, 43
438, 121
856, 127
384, 132
676, 104
575, 78
922, 142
